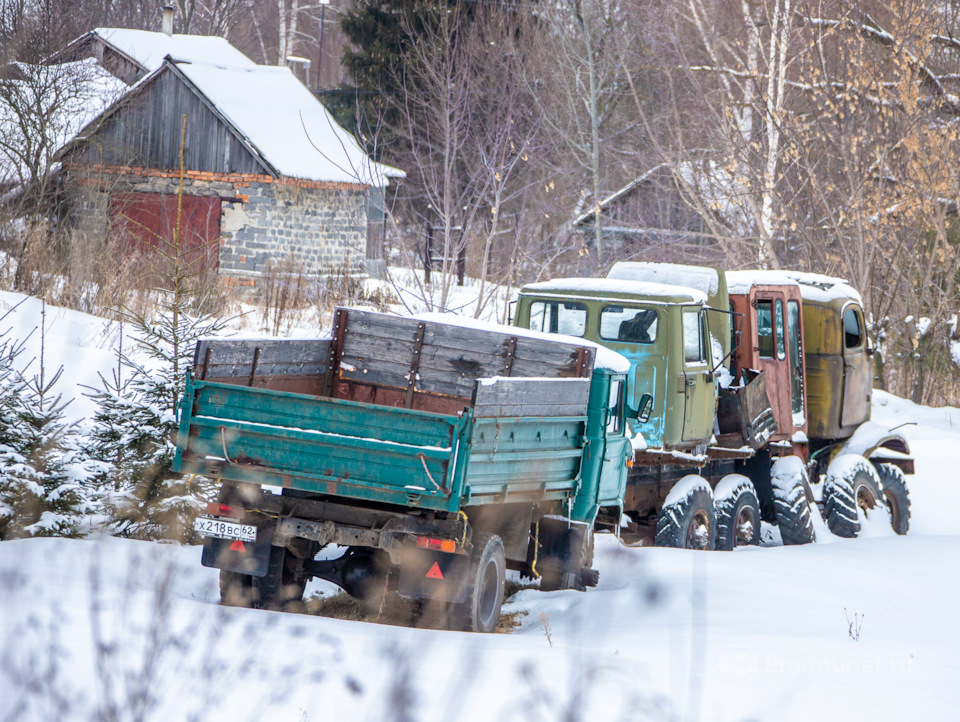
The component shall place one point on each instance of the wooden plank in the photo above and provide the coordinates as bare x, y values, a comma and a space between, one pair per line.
450, 386
310, 385
455, 337
531, 397
414, 366
335, 351
393, 357
229, 358
396, 397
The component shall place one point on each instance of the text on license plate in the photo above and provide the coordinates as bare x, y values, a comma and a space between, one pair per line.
225, 529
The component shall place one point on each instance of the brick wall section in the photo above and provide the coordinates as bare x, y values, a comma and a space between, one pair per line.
322, 226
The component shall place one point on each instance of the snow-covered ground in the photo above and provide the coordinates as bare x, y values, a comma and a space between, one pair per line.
864, 629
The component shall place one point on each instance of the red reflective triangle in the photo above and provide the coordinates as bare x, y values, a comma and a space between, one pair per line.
238, 546
435, 572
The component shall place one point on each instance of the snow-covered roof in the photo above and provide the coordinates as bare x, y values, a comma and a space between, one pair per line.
701, 278
617, 195
645, 290
69, 96
286, 123
148, 49
813, 286
740, 282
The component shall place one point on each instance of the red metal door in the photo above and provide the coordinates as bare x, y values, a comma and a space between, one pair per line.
145, 223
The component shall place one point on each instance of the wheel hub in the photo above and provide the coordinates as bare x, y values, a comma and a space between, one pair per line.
698, 533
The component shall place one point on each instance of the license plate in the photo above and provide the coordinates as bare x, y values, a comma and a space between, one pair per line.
224, 529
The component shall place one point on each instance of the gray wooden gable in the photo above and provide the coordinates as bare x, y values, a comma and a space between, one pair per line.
144, 129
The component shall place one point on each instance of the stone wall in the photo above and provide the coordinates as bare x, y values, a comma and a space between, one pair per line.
320, 227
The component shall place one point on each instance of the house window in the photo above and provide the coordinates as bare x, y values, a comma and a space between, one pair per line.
375, 224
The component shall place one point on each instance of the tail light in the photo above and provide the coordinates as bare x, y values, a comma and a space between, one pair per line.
440, 545
216, 509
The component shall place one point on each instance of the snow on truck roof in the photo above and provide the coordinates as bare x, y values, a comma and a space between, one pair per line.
603, 358
645, 290
814, 287
701, 278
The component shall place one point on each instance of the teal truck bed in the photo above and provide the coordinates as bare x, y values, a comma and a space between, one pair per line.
381, 454
442, 452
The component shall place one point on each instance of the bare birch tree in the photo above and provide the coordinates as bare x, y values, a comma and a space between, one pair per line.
578, 83
467, 132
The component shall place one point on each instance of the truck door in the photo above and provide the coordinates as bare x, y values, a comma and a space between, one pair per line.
772, 356
700, 392
613, 473
857, 377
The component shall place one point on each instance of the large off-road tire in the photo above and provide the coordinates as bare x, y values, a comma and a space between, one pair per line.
688, 519
480, 612
791, 500
851, 484
281, 588
236, 590
893, 486
738, 512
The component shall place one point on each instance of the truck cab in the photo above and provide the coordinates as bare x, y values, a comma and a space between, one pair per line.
806, 332
663, 331
772, 342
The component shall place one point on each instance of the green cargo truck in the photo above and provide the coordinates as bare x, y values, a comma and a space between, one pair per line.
435, 454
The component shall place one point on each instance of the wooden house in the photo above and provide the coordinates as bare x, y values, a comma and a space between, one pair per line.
269, 176
646, 218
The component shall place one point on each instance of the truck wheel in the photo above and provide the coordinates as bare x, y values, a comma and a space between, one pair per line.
851, 484
280, 589
688, 519
893, 486
738, 512
236, 590
485, 578
791, 500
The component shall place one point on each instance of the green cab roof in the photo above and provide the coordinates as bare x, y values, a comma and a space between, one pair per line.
609, 289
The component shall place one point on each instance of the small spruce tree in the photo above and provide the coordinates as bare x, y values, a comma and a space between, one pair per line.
43, 489
134, 435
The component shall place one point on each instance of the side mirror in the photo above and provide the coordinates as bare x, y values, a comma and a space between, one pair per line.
641, 414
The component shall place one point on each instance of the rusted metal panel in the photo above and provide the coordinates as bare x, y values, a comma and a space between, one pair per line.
147, 223
839, 379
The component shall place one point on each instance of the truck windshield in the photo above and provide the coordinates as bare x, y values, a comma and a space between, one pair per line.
566, 317
633, 325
